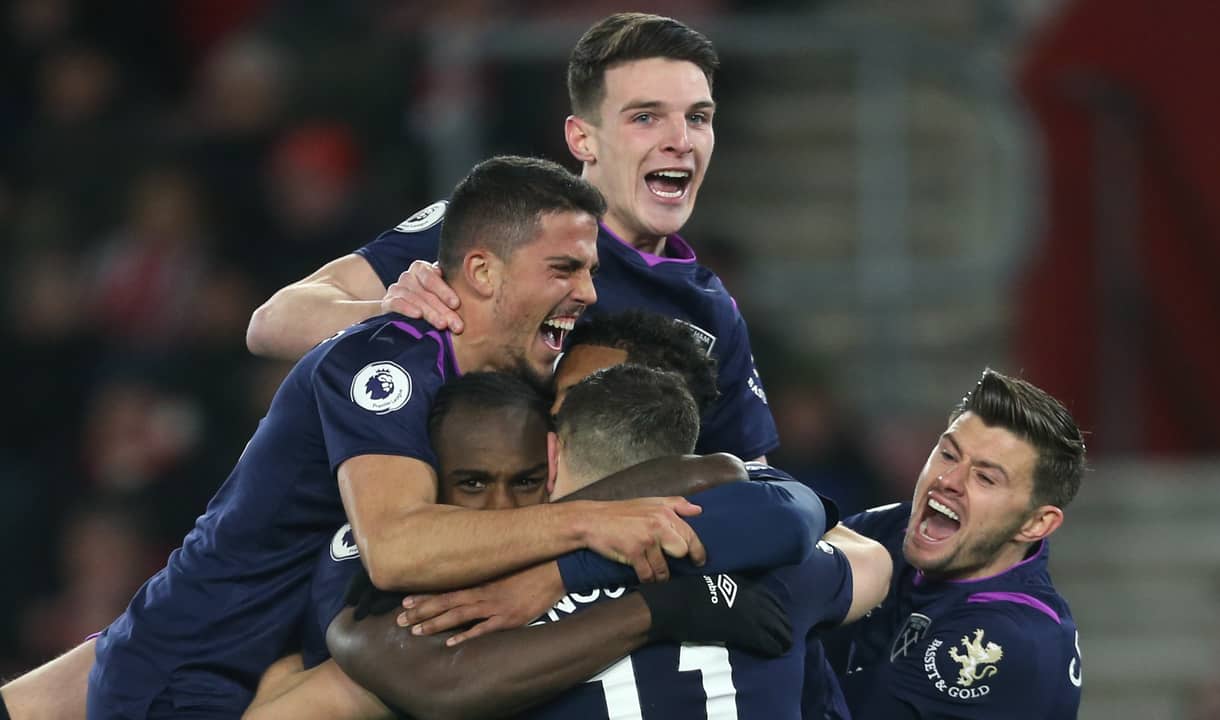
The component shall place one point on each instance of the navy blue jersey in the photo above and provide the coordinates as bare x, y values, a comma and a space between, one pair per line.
337, 564
1004, 646
674, 682
230, 600
675, 285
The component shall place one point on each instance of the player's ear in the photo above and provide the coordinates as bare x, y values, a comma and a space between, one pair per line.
1040, 524
581, 142
481, 270
552, 461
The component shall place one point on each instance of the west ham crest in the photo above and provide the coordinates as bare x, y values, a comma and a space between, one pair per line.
909, 635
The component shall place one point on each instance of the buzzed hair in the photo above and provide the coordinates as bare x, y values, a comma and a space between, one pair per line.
655, 341
624, 37
1032, 414
486, 391
622, 416
499, 206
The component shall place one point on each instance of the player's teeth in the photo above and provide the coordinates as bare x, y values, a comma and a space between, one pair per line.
923, 528
561, 324
942, 509
679, 174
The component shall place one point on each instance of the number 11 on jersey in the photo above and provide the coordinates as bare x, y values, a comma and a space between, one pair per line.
712, 661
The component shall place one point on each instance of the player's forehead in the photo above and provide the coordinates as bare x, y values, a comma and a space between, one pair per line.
566, 235
657, 81
992, 445
581, 361
490, 439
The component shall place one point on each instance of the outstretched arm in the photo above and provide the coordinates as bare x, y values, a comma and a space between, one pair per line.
744, 527
342, 292
871, 568
682, 475
408, 541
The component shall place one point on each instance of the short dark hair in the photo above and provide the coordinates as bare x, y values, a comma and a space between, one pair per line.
1038, 418
624, 37
624, 415
486, 391
500, 205
654, 341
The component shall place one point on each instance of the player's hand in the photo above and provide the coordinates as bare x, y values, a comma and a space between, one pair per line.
641, 532
421, 292
723, 608
508, 602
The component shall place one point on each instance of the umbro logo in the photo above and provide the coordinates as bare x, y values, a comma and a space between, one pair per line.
721, 586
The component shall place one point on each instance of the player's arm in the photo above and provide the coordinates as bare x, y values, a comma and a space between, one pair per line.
407, 540
745, 526
342, 292
682, 475
54, 691
503, 673
871, 569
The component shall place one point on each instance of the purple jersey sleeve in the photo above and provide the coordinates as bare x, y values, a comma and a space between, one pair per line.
740, 421
999, 661
416, 238
374, 391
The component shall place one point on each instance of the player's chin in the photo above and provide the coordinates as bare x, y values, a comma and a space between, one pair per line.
541, 360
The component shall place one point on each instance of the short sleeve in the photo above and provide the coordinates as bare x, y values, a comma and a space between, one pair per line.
416, 238
740, 421
337, 563
817, 591
374, 392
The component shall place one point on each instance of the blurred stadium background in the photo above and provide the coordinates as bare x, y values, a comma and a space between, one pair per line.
902, 194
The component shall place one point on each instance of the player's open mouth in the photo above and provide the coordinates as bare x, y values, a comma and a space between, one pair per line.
555, 330
668, 184
939, 521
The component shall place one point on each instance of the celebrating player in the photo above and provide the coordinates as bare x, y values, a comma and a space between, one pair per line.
972, 626
641, 95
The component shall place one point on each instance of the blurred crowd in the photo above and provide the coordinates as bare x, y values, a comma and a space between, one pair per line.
164, 167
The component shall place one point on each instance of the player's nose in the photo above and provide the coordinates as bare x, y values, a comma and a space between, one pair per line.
583, 290
677, 136
951, 480
500, 497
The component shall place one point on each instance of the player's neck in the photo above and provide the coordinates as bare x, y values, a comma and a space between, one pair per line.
1008, 557
473, 348
653, 244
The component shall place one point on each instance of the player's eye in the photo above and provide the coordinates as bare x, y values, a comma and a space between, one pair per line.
471, 485
642, 118
528, 484
699, 118
947, 456
986, 479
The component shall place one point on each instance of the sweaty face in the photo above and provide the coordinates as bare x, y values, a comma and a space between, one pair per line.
492, 459
972, 497
545, 286
580, 362
651, 145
